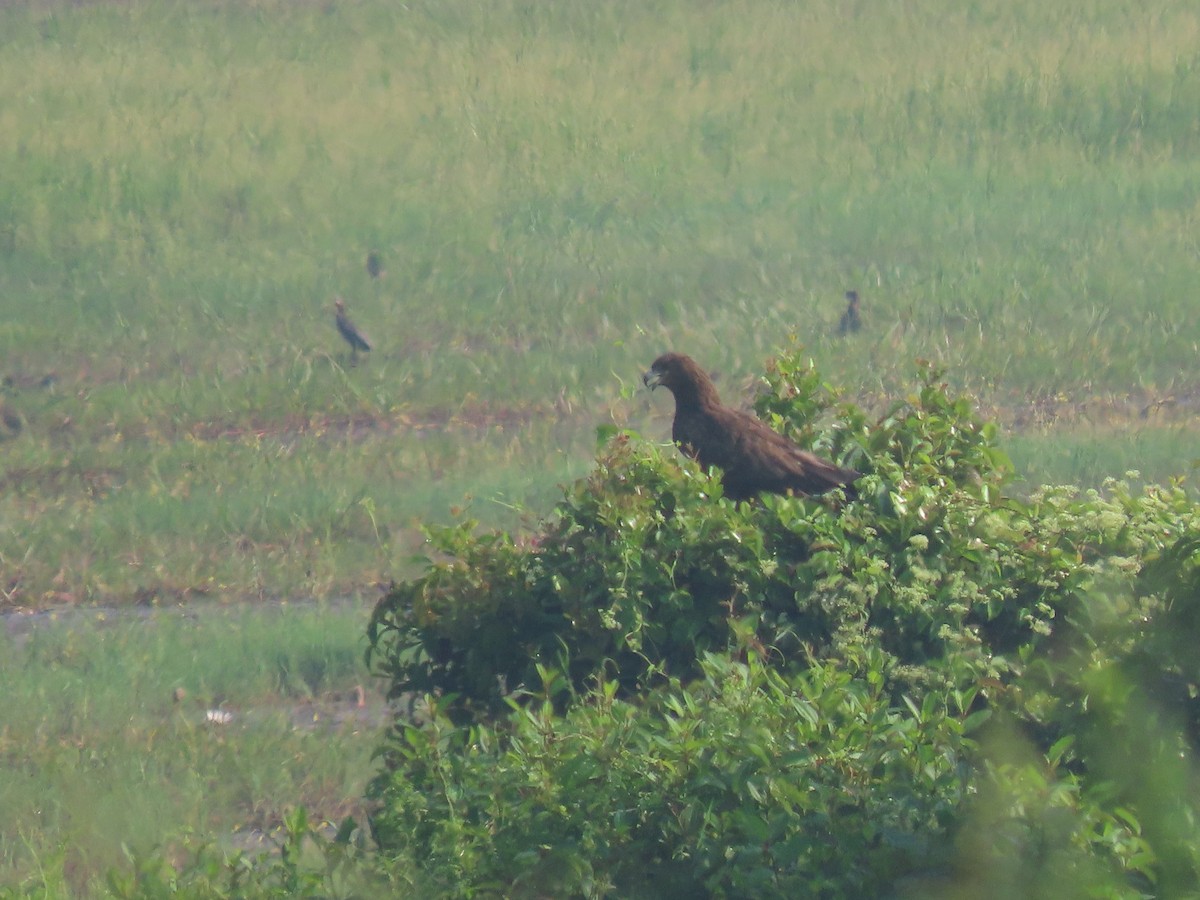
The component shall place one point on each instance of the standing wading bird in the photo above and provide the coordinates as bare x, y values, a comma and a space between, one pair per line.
851, 321
751, 457
354, 337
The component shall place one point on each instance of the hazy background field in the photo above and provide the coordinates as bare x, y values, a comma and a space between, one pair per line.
559, 192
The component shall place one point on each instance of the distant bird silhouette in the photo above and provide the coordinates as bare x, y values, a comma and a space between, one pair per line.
752, 458
851, 320
374, 264
10, 421
354, 337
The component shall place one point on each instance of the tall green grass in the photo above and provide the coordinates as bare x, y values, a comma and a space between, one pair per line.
1089, 456
558, 193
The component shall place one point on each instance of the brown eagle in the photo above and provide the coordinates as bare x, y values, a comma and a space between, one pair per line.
751, 457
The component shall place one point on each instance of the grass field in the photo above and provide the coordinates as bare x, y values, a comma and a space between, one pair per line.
558, 193
100, 756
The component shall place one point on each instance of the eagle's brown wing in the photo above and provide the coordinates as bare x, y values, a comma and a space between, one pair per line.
752, 457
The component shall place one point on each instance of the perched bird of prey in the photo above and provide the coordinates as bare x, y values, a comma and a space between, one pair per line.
851, 320
751, 457
354, 337
374, 264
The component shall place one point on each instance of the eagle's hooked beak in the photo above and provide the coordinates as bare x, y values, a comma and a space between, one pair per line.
652, 378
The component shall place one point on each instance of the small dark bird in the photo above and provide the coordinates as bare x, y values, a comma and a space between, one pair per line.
10, 421
751, 457
374, 264
354, 337
851, 320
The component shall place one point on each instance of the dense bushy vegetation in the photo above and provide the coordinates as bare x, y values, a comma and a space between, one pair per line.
644, 567
666, 692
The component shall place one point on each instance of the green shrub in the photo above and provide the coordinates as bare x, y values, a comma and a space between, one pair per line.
644, 567
743, 782
797, 697
1086, 788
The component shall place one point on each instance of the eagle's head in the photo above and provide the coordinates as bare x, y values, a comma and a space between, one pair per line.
683, 377
667, 370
